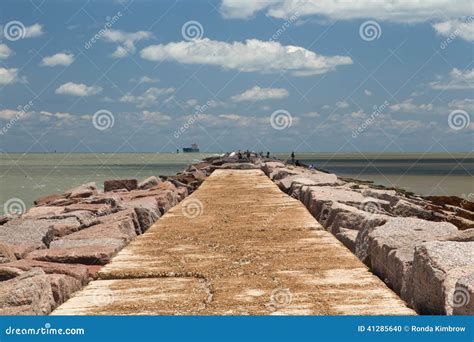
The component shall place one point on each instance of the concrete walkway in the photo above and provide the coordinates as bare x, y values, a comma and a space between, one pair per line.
236, 246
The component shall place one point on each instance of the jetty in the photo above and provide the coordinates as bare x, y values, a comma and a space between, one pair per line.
239, 235
236, 246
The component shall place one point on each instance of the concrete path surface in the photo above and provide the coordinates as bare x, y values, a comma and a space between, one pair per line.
236, 246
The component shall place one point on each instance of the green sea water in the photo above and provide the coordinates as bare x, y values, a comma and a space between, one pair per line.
31, 175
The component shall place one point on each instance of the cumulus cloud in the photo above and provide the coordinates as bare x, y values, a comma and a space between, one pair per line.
144, 79
456, 28
367, 92
57, 115
465, 104
259, 94
403, 11
251, 56
311, 115
58, 59
34, 30
408, 106
126, 41
77, 89
155, 116
342, 104
457, 79
8, 76
5, 51
148, 98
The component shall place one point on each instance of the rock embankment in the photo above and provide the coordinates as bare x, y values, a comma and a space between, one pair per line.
422, 247
57, 246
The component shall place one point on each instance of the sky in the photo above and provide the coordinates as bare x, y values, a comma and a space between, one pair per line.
277, 75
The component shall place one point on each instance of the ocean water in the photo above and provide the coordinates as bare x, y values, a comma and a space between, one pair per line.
25, 177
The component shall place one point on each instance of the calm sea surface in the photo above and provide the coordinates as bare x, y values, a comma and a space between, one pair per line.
28, 176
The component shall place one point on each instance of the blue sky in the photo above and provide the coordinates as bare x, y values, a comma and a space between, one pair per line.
274, 75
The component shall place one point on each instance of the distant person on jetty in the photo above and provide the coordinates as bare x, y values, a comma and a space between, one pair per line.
239, 155
292, 157
248, 154
268, 154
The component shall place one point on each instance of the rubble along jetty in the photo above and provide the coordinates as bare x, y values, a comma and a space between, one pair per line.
421, 248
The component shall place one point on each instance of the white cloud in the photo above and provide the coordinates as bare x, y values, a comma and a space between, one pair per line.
359, 114
252, 56
148, 98
58, 59
456, 28
78, 89
404, 11
126, 41
367, 92
58, 115
458, 79
312, 115
342, 104
34, 30
8, 76
408, 106
259, 94
8, 114
144, 79
155, 116
466, 104
5, 51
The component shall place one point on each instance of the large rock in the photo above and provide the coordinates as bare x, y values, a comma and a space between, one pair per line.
80, 252
268, 167
6, 253
147, 211
98, 209
62, 287
437, 267
461, 236
123, 215
82, 191
123, 229
47, 200
406, 208
27, 294
117, 184
386, 195
24, 236
149, 183
43, 212
390, 248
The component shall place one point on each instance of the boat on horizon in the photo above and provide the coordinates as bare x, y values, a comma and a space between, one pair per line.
194, 148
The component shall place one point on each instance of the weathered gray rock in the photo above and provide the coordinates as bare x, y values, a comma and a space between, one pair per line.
117, 184
348, 238
406, 208
6, 253
27, 294
269, 167
463, 296
460, 236
149, 183
437, 267
79, 252
390, 248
